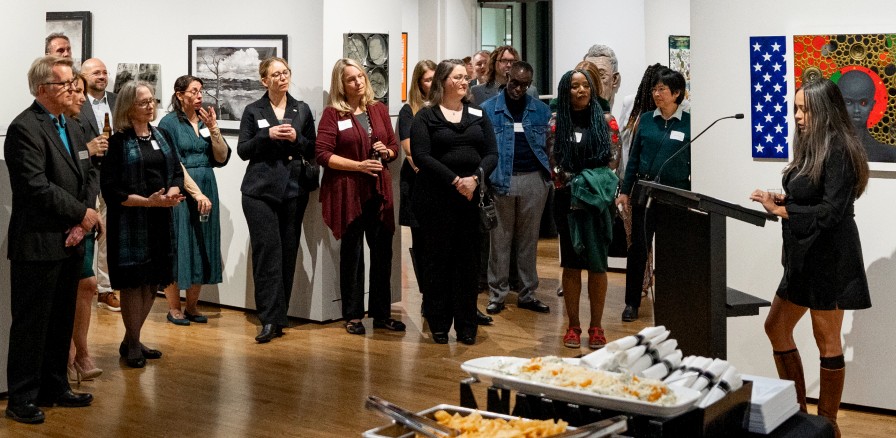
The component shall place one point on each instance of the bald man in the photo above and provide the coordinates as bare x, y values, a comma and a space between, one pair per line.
858, 93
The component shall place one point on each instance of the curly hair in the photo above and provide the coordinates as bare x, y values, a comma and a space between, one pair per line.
568, 154
644, 97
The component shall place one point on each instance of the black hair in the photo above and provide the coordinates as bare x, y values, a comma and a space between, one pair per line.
644, 97
180, 85
568, 154
672, 79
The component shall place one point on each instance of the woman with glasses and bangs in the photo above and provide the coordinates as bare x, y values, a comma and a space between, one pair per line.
197, 224
141, 180
455, 150
277, 138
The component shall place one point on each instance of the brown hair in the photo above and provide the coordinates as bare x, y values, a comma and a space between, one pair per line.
416, 98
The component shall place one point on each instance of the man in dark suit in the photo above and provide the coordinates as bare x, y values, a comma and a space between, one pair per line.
99, 103
49, 174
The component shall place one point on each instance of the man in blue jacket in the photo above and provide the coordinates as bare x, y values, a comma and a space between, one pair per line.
521, 183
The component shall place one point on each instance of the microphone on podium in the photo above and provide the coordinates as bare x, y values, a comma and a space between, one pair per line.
685, 146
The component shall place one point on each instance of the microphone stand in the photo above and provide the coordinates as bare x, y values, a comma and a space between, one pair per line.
682, 148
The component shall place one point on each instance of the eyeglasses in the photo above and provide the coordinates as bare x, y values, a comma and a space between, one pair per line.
285, 74
68, 85
659, 89
513, 83
506, 61
146, 103
192, 92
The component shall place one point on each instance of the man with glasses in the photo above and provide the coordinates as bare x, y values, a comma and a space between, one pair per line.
99, 103
498, 71
49, 174
521, 182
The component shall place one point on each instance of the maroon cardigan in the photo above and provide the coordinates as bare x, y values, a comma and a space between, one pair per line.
342, 193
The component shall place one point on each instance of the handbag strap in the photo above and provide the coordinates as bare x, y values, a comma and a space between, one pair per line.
481, 187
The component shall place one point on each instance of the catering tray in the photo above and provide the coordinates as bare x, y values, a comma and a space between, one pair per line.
399, 431
487, 370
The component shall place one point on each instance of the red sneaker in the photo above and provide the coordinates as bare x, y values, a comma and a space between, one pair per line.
573, 337
596, 338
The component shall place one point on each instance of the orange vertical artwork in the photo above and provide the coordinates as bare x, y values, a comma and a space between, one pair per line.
404, 66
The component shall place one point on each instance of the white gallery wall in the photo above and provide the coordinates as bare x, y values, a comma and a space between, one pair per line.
723, 167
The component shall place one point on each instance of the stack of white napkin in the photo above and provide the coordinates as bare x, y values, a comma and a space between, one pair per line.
773, 401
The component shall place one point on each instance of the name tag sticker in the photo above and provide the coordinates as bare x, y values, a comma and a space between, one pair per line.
344, 124
204, 132
83, 155
155, 145
262, 123
578, 137
475, 111
518, 127
677, 135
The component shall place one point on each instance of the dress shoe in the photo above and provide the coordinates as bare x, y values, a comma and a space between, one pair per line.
389, 323
198, 319
69, 399
279, 331
494, 308
534, 305
268, 332
467, 339
78, 373
177, 321
355, 328
440, 337
148, 353
630, 314
25, 413
483, 319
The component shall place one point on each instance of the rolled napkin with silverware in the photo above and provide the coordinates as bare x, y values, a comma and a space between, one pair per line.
729, 382
643, 337
682, 368
654, 354
664, 367
692, 372
710, 374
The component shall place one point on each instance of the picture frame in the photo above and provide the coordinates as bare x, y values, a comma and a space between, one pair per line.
78, 27
228, 66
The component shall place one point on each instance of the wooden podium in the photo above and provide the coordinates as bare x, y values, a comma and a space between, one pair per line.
692, 296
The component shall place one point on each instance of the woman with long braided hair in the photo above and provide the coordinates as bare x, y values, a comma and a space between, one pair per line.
581, 146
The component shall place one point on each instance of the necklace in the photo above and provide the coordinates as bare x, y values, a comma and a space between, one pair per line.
451, 112
145, 138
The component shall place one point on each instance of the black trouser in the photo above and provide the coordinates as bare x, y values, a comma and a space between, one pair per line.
274, 230
449, 274
42, 304
643, 228
351, 264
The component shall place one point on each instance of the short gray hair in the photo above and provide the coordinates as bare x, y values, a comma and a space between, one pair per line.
52, 37
41, 71
598, 50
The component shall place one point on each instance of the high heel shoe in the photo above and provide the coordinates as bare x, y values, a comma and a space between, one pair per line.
90, 374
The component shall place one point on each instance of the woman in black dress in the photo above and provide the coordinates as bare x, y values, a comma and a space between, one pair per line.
452, 141
141, 180
823, 268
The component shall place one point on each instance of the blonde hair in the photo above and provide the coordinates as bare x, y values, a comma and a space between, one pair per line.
337, 97
266, 64
416, 99
125, 103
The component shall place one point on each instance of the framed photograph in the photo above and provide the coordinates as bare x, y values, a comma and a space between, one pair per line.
228, 66
77, 27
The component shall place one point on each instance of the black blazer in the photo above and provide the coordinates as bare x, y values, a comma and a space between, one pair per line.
93, 126
50, 186
274, 165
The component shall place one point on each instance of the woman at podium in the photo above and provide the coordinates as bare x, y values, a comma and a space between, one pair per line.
823, 267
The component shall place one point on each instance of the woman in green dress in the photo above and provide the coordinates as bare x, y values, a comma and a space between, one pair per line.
197, 225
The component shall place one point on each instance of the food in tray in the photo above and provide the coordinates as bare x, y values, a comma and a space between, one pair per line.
475, 426
552, 370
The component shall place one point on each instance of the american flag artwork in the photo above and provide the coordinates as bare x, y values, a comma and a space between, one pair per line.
768, 97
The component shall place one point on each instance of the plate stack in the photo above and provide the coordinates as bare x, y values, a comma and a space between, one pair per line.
773, 401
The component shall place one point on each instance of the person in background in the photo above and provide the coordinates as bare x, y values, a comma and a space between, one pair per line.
521, 182
277, 138
141, 180
480, 67
98, 104
454, 148
496, 77
58, 44
468, 64
660, 134
80, 364
50, 179
605, 59
823, 268
197, 224
355, 140
582, 145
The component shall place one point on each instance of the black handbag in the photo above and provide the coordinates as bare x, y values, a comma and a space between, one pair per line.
309, 177
488, 213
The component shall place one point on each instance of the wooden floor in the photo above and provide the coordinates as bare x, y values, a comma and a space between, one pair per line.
215, 381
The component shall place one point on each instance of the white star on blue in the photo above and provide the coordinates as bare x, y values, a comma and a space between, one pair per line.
769, 103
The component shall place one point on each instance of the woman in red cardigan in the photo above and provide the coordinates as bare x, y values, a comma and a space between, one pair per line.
354, 140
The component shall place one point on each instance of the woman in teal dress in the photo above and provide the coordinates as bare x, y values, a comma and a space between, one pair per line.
194, 132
